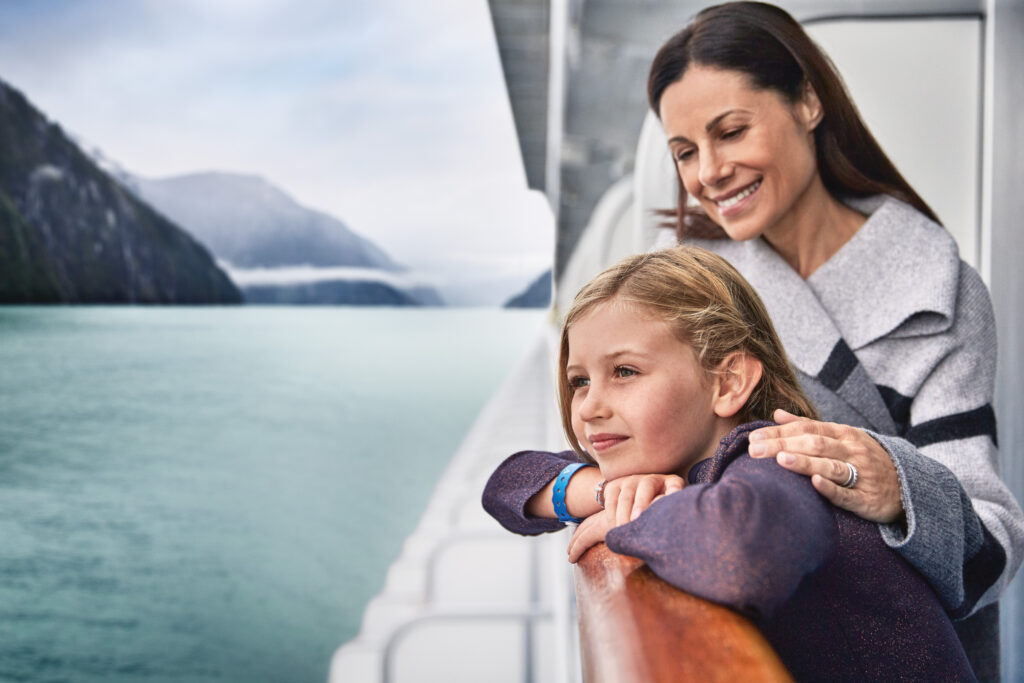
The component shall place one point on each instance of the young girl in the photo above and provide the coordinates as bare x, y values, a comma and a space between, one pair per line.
668, 361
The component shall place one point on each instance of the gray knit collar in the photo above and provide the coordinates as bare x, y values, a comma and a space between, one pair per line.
898, 266
806, 329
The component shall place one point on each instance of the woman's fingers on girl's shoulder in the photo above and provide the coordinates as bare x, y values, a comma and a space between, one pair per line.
784, 417
799, 426
796, 462
830, 468
805, 442
865, 499
836, 494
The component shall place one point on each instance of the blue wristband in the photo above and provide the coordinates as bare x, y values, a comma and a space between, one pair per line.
558, 495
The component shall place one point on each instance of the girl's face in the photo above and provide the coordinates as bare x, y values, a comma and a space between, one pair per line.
746, 155
641, 402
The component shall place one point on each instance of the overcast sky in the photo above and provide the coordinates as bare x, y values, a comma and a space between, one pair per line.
388, 114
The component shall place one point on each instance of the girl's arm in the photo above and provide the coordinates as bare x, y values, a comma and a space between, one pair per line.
745, 541
518, 493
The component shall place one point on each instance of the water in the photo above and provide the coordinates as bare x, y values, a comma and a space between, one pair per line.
213, 494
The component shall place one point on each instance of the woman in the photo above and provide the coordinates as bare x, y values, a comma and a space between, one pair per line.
891, 335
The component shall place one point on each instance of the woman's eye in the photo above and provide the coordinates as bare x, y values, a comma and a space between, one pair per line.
578, 382
733, 133
684, 154
623, 371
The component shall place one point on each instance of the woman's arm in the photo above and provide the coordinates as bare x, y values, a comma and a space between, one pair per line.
947, 534
745, 541
960, 525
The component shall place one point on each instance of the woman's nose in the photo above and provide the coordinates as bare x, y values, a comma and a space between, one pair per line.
713, 169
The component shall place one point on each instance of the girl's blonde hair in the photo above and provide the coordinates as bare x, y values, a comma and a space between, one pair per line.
710, 307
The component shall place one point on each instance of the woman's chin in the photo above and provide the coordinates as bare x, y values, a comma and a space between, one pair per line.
741, 230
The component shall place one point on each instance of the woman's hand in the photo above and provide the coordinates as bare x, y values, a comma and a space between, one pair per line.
821, 450
624, 499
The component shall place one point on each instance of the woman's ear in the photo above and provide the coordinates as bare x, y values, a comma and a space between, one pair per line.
737, 376
810, 107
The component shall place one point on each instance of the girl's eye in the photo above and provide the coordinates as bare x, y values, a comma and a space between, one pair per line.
623, 371
578, 382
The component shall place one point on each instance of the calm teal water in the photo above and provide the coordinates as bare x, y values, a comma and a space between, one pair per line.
213, 494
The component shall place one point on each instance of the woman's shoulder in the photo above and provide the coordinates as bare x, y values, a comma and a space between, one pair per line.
941, 293
892, 210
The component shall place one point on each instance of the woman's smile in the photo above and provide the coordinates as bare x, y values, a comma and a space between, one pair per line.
732, 203
745, 154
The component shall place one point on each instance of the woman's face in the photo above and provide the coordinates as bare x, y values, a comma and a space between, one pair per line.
746, 155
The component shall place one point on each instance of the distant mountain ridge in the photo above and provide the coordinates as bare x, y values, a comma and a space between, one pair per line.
328, 292
70, 233
250, 223
537, 295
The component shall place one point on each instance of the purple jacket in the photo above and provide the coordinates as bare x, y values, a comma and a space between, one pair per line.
832, 599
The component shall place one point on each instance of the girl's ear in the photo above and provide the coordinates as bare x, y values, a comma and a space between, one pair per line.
737, 376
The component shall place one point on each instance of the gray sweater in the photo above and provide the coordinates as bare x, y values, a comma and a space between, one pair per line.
895, 334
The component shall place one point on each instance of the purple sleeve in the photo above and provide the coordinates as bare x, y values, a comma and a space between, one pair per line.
745, 541
518, 479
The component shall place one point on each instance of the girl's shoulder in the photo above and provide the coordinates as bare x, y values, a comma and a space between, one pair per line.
732, 455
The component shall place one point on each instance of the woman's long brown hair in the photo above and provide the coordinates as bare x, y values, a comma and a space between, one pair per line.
772, 49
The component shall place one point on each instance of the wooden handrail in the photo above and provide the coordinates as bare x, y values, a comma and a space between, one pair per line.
634, 627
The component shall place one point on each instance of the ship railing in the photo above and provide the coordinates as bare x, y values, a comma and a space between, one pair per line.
635, 627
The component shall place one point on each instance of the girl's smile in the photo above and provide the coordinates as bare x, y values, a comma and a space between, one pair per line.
603, 442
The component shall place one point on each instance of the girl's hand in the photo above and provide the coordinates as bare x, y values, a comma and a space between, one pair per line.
624, 499
629, 496
820, 450
590, 532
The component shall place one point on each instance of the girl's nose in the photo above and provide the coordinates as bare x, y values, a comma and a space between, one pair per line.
594, 405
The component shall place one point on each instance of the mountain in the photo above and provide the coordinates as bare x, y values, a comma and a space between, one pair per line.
537, 295
70, 233
328, 292
250, 223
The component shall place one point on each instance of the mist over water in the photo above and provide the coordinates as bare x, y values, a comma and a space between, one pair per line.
213, 494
